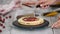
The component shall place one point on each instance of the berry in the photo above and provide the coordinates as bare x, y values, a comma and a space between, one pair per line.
3, 26
0, 18
6, 17
9, 16
3, 21
0, 31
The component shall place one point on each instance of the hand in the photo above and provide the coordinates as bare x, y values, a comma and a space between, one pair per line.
17, 4
46, 3
56, 24
29, 3
59, 18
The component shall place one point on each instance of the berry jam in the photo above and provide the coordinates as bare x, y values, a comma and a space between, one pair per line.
30, 19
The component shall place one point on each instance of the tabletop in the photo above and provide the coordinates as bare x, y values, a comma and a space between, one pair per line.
11, 29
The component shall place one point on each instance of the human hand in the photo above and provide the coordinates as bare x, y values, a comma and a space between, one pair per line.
59, 18
46, 3
30, 2
56, 24
17, 4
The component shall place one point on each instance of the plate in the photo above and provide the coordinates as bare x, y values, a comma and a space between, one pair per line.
30, 27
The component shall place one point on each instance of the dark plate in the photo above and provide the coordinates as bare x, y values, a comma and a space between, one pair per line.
45, 24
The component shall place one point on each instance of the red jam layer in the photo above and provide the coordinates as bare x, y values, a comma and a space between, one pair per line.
30, 19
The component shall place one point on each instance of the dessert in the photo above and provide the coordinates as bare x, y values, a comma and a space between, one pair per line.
30, 21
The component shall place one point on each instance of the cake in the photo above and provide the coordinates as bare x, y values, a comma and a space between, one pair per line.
30, 21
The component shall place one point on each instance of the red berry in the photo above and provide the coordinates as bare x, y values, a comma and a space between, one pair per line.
3, 21
9, 16
0, 31
6, 17
0, 18
3, 26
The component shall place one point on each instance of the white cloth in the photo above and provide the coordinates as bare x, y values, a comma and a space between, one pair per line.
41, 31
7, 7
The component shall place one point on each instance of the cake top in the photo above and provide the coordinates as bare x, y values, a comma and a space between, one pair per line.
30, 19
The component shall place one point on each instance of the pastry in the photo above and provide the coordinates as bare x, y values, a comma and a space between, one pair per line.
30, 20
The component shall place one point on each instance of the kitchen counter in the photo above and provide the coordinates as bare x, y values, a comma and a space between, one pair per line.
11, 29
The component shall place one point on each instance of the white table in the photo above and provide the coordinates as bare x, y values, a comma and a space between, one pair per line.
10, 29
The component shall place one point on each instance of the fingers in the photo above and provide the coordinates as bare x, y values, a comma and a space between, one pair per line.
44, 4
53, 26
59, 18
17, 2
30, 3
18, 6
56, 25
42, 1
44, 7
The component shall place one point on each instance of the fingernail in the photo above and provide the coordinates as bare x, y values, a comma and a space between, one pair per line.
41, 5
52, 26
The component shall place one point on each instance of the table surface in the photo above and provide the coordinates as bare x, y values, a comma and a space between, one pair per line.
11, 29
